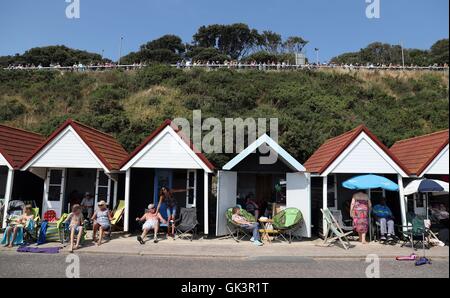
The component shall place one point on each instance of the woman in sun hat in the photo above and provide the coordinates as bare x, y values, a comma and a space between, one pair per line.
102, 221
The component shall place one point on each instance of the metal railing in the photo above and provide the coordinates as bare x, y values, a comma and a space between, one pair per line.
239, 66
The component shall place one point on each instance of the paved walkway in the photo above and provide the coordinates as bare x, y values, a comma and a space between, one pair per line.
127, 245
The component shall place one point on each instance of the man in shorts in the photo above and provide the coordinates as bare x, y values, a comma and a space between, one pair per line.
151, 220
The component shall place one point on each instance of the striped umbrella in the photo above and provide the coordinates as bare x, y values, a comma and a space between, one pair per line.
426, 186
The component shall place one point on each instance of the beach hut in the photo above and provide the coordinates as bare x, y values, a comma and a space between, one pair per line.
167, 159
353, 153
425, 156
15, 146
76, 159
281, 180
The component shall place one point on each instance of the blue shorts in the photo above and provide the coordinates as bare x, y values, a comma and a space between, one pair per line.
172, 211
77, 229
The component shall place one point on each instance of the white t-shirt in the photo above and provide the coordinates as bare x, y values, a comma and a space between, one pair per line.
89, 202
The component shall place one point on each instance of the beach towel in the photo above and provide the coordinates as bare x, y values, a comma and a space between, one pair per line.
44, 250
19, 236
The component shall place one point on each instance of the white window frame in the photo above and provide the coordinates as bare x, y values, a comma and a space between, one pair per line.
61, 185
189, 187
98, 186
335, 207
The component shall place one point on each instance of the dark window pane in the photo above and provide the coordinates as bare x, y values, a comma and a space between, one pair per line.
54, 193
102, 179
56, 176
191, 197
191, 179
330, 192
103, 194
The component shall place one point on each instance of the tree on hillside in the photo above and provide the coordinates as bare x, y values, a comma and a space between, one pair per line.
167, 42
53, 54
234, 40
382, 53
270, 42
165, 49
439, 52
294, 44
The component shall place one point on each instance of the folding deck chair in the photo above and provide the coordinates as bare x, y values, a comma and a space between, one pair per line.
334, 229
186, 224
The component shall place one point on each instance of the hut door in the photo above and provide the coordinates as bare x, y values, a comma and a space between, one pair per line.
54, 191
298, 195
226, 198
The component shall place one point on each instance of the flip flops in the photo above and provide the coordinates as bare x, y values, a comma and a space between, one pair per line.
140, 240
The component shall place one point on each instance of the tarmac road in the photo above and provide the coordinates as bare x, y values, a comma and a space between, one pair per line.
96, 265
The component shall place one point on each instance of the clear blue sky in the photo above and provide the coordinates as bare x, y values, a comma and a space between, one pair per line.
334, 26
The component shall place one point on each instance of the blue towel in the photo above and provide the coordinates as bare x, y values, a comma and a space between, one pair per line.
42, 233
19, 236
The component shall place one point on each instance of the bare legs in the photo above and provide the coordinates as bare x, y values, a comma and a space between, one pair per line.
172, 218
362, 238
94, 232
72, 237
100, 237
146, 231
8, 232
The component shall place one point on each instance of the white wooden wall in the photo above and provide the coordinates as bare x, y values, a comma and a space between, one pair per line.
67, 151
439, 166
364, 156
166, 153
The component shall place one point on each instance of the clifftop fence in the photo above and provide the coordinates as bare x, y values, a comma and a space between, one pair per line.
238, 66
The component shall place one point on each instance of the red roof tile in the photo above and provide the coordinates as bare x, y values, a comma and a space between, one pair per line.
417, 153
104, 146
332, 148
16, 144
182, 136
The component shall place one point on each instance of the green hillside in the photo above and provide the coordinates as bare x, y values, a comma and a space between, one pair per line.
311, 105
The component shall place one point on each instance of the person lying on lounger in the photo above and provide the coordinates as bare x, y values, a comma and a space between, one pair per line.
16, 228
75, 220
244, 223
151, 220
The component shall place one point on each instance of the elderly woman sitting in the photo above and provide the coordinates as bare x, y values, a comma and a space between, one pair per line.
14, 232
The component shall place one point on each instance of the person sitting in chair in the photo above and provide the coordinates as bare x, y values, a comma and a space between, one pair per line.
14, 231
383, 215
251, 206
151, 220
244, 223
102, 222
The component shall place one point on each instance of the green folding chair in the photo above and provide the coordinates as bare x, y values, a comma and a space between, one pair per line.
287, 222
236, 231
334, 231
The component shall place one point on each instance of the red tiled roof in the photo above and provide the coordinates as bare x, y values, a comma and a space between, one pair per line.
417, 153
104, 146
332, 148
182, 136
16, 144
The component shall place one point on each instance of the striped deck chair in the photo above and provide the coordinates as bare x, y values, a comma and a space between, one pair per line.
334, 231
118, 215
